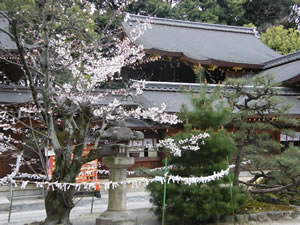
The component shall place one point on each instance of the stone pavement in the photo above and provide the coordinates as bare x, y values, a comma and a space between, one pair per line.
28, 211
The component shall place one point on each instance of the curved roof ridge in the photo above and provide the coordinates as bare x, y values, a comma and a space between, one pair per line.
282, 60
195, 87
191, 24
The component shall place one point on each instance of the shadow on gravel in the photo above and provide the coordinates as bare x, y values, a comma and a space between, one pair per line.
144, 217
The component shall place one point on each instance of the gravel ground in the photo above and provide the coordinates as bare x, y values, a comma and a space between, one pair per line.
144, 217
27, 212
293, 222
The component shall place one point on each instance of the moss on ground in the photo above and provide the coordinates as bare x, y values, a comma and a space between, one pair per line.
254, 206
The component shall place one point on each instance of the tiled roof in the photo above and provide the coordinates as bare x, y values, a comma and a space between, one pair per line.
14, 94
195, 87
201, 42
190, 24
285, 69
282, 60
284, 73
174, 95
5, 41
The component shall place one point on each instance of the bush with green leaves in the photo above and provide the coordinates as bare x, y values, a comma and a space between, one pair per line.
282, 40
196, 204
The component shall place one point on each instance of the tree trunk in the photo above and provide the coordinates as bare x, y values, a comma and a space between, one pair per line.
58, 204
237, 168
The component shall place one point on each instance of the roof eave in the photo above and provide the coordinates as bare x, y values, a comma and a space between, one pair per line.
282, 60
206, 61
295, 81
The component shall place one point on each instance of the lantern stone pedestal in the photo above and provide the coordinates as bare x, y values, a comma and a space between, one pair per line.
117, 213
117, 160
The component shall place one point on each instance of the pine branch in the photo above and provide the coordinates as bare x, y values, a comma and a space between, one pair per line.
274, 189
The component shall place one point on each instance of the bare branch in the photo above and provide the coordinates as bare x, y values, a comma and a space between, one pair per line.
259, 185
275, 189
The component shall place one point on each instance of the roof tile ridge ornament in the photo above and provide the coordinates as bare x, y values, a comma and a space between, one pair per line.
255, 31
173, 86
195, 87
191, 24
282, 59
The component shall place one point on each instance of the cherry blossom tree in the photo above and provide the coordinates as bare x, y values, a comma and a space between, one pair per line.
66, 65
72, 75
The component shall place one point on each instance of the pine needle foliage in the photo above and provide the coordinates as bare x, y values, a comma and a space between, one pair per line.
260, 116
202, 203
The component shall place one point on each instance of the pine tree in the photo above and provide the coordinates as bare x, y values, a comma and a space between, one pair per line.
195, 204
260, 112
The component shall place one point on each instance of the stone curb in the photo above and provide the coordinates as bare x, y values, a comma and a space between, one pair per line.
257, 218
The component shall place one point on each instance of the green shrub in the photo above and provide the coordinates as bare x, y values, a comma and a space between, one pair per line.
201, 203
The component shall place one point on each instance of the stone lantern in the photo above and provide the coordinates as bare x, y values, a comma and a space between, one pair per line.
118, 161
